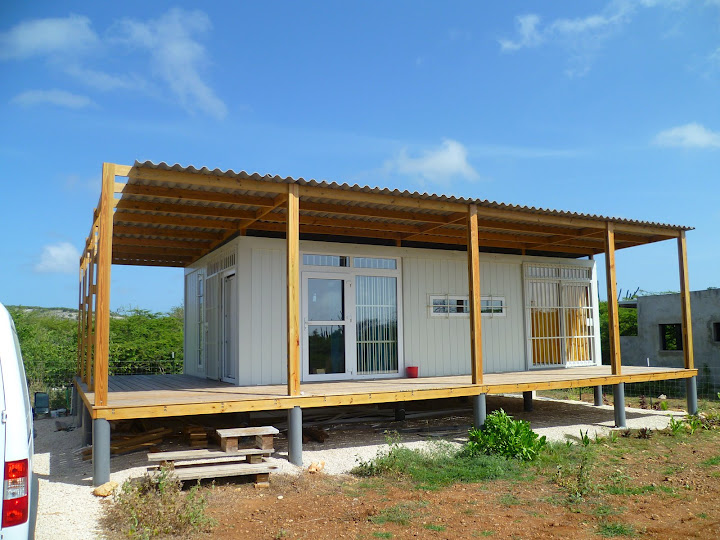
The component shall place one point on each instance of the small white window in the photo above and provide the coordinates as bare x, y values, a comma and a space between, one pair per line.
492, 306
325, 260
375, 262
446, 305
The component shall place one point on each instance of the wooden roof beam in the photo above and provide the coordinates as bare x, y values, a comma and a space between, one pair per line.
164, 232
180, 221
159, 242
451, 219
195, 195
259, 214
185, 209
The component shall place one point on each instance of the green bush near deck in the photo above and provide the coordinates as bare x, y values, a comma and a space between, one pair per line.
505, 437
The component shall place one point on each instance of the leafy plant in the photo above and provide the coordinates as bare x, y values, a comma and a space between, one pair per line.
664, 406
693, 423
156, 505
503, 436
437, 466
676, 426
611, 530
644, 433
585, 438
577, 483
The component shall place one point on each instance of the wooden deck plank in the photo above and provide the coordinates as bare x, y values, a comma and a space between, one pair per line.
176, 395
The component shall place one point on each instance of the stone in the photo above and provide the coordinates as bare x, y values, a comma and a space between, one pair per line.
106, 489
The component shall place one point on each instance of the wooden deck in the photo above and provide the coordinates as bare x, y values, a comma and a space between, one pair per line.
152, 396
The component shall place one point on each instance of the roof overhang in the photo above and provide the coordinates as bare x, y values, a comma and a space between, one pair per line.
172, 216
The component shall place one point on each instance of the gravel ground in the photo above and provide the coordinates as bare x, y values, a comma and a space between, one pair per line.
67, 508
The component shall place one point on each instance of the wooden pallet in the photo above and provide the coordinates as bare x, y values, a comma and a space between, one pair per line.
263, 437
230, 461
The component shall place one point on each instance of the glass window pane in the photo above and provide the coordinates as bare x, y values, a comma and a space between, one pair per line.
326, 301
375, 262
377, 324
326, 349
325, 260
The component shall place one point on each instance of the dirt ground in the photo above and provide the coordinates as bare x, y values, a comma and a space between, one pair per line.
670, 491
664, 487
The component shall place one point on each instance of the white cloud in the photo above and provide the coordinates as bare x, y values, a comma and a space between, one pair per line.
104, 81
583, 36
176, 57
528, 34
438, 165
60, 98
45, 37
691, 135
62, 258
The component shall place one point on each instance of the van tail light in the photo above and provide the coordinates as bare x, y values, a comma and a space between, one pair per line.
15, 493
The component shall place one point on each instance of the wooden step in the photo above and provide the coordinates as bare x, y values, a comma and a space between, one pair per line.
247, 431
205, 454
254, 459
218, 471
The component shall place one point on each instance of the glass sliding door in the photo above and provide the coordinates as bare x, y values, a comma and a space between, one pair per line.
325, 326
352, 317
376, 326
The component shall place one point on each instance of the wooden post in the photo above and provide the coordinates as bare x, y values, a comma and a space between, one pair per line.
90, 306
102, 318
613, 322
474, 296
81, 318
293, 290
687, 342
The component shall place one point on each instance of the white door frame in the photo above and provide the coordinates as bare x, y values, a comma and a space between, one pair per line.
230, 336
348, 323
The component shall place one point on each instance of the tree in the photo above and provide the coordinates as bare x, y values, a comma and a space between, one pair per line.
627, 321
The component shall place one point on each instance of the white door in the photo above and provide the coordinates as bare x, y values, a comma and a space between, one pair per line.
230, 333
328, 330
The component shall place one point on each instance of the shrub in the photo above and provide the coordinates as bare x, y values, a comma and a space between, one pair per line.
156, 505
434, 467
503, 436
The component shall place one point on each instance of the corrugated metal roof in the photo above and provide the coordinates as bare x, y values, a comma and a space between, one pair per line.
397, 193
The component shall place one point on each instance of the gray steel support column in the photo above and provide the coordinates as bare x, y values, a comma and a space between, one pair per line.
101, 451
87, 426
74, 401
598, 396
691, 386
399, 412
527, 401
619, 400
479, 410
295, 436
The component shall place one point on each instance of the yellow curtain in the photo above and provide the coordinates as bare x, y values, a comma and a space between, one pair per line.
546, 334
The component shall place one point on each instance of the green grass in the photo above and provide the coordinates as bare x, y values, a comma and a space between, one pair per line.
438, 528
437, 467
382, 534
400, 514
603, 510
612, 530
712, 462
508, 499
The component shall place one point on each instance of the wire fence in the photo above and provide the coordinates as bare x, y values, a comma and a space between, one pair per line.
169, 364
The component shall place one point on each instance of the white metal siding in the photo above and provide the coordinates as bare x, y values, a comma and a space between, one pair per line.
266, 317
191, 323
441, 346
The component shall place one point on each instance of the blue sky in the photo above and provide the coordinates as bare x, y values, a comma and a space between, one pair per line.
599, 107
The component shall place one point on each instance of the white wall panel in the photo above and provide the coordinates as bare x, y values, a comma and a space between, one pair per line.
438, 345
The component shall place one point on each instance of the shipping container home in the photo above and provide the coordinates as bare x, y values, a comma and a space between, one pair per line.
370, 312
313, 294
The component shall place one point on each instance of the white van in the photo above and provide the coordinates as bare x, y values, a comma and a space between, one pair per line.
19, 492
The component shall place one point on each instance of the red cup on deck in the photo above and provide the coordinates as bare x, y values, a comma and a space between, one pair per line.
412, 372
